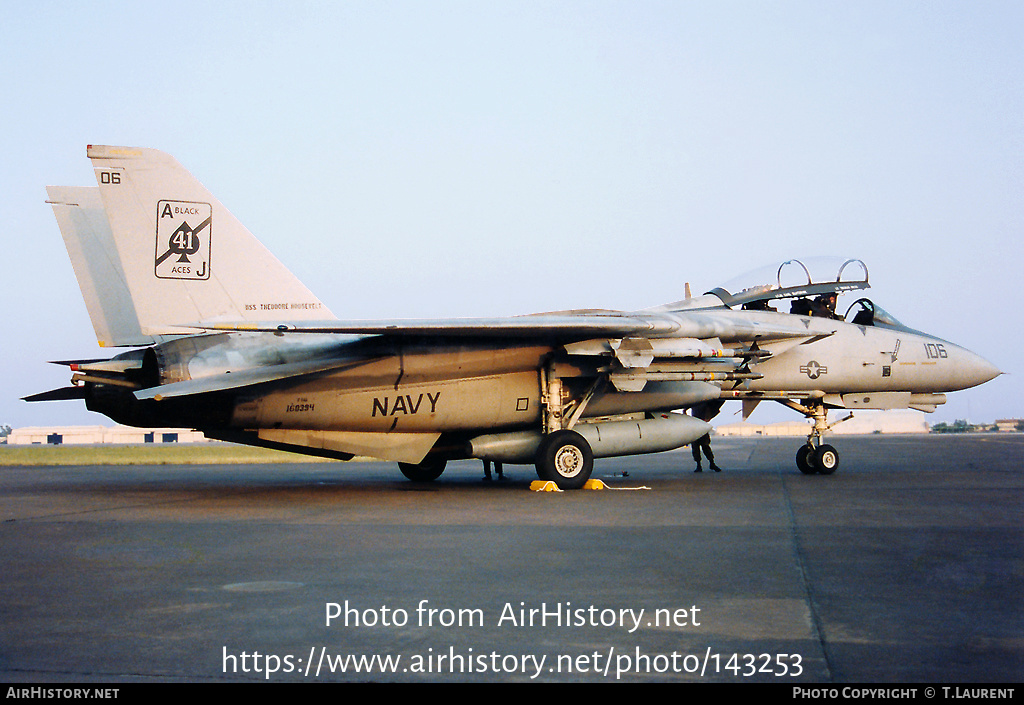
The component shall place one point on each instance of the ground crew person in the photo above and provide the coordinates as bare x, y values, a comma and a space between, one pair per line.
705, 412
497, 469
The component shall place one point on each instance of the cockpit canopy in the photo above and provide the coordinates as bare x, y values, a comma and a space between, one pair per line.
794, 279
800, 280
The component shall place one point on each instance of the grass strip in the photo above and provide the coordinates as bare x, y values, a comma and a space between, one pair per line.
150, 454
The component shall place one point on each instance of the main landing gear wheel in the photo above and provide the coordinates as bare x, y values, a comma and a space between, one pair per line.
805, 460
565, 458
826, 459
426, 471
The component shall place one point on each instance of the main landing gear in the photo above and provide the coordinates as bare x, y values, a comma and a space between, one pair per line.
815, 457
563, 455
565, 458
426, 471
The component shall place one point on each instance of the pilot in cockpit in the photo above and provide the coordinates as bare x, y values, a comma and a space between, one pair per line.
824, 306
758, 305
800, 307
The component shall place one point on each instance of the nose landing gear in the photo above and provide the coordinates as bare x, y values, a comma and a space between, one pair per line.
815, 457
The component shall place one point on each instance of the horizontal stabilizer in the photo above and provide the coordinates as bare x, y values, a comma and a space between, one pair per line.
62, 394
76, 363
236, 380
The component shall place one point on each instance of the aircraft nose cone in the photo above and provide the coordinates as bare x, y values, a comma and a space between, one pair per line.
974, 370
988, 370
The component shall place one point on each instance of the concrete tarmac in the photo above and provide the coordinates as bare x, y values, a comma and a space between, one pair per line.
906, 566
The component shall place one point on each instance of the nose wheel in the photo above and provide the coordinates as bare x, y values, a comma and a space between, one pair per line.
823, 460
803, 460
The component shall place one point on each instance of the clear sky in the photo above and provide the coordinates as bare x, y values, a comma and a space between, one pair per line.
435, 159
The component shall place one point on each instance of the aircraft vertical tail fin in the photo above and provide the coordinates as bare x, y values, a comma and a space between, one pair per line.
90, 244
186, 259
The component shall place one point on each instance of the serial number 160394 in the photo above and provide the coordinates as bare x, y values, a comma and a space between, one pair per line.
298, 407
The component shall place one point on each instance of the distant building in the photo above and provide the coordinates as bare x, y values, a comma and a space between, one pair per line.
744, 428
80, 435
1009, 424
896, 421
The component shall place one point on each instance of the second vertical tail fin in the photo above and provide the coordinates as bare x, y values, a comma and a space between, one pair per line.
90, 244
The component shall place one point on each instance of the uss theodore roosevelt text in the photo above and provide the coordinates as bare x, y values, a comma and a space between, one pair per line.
558, 614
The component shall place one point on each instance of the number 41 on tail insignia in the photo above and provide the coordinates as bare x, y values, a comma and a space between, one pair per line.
183, 232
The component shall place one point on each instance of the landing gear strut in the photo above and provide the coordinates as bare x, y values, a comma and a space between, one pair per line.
564, 456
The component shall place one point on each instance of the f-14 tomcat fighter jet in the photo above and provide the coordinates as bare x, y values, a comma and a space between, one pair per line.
226, 340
